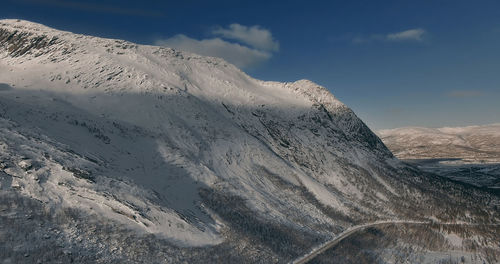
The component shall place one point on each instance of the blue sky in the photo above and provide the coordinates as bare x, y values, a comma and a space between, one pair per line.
396, 63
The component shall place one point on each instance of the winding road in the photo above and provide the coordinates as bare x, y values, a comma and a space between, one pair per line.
334, 241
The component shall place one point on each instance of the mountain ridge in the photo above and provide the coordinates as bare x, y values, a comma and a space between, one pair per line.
34, 33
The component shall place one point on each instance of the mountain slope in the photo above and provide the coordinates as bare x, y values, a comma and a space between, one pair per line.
190, 149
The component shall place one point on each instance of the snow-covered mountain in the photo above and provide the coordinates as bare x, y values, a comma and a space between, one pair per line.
472, 144
135, 153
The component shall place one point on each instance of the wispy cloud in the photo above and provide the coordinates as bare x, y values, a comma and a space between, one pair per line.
464, 93
416, 34
94, 7
254, 36
410, 35
239, 55
367, 39
240, 45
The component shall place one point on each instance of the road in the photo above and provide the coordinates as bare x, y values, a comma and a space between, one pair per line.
331, 243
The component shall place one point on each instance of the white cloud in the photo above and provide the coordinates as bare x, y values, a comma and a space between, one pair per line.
237, 54
416, 34
363, 39
240, 45
254, 36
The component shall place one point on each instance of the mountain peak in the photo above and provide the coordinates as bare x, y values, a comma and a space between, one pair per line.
21, 37
29, 28
316, 93
23, 24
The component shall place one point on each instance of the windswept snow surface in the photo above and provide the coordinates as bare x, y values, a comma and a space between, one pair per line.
188, 147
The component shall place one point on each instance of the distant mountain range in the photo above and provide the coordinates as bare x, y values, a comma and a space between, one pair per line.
471, 144
467, 154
